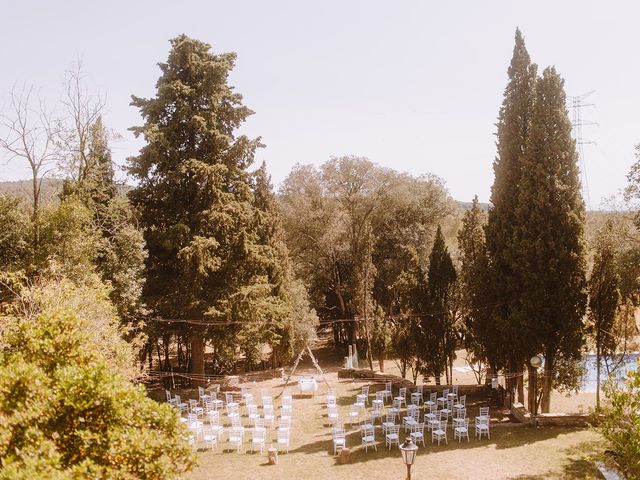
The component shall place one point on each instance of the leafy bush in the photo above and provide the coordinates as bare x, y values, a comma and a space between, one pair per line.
621, 422
66, 413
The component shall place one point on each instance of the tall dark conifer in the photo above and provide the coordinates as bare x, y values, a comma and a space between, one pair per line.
549, 240
194, 193
512, 133
477, 292
437, 325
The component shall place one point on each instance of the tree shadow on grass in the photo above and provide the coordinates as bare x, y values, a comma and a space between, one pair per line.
575, 469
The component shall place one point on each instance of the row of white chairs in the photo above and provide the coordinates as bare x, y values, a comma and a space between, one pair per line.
209, 435
392, 433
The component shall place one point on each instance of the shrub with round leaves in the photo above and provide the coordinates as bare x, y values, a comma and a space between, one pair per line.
64, 413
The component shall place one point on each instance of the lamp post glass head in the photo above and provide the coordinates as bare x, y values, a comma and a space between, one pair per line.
408, 450
536, 361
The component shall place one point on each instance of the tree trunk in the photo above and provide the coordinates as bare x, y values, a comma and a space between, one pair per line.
520, 379
531, 389
366, 332
547, 382
381, 363
166, 342
36, 213
197, 354
598, 375
157, 343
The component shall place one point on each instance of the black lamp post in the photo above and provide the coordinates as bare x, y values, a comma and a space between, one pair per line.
408, 450
536, 363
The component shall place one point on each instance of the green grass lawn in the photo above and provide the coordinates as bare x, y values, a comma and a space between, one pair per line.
513, 452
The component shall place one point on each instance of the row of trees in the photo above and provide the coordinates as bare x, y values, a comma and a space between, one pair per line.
528, 264
620, 418
369, 244
205, 244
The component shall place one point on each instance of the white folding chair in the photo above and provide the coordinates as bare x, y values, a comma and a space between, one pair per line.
332, 414
203, 396
233, 412
390, 421
395, 407
231, 403
377, 413
454, 389
461, 403
484, 413
392, 436
258, 435
412, 416
439, 433
416, 397
387, 391
217, 403
339, 439
195, 408
448, 409
195, 425
180, 404
366, 421
417, 433
365, 394
236, 437
331, 397
252, 412
432, 400
269, 416
210, 436
214, 417
462, 430
354, 414
402, 397
442, 401
368, 437
482, 428
282, 439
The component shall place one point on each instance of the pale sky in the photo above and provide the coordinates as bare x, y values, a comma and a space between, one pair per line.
412, 85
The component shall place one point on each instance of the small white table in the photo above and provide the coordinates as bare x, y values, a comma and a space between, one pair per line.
308, 386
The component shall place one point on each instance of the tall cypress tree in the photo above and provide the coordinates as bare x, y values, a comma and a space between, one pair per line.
549, 239
194, 193
481, 330
512, 133
437, 325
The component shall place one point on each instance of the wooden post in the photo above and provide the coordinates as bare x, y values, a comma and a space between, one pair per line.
272, 456
345, 456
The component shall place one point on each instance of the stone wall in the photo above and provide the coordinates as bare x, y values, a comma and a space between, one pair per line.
520, 414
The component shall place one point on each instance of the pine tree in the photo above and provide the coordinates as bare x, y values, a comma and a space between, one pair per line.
512, 135
207, 253
549, 239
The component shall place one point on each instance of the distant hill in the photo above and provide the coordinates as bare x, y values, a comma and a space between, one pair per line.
23, 189
51, 188
467, 205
